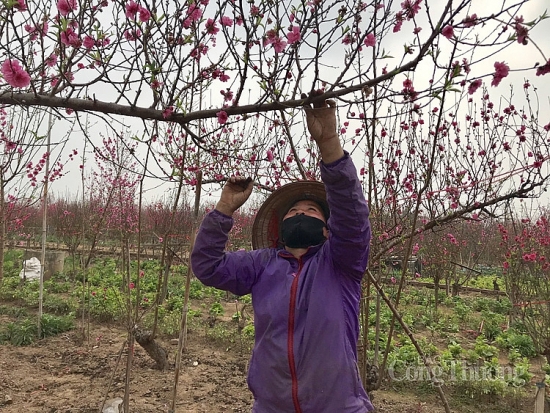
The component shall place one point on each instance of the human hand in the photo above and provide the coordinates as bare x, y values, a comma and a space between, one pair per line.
321, 119
321, 123
235, 193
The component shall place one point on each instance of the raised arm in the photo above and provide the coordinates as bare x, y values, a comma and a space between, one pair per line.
349, 225
321, 123
211, 264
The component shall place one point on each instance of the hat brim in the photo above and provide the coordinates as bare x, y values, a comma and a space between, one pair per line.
266, 226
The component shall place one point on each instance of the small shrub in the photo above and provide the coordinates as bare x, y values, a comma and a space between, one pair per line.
22, 333
216, 309
58, 305
17, 312
522, 343
483, 349
52, 325
196, 290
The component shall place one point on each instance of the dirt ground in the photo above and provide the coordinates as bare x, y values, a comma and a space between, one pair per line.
60, 375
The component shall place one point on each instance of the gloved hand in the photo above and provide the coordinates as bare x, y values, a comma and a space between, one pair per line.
235, 193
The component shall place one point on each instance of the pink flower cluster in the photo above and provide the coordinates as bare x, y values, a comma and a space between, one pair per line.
501, 71
294, 35
273, 39
544, 69
521, 31
66, 6
14, 74
448, 32
194, 13
133, 9
409, 9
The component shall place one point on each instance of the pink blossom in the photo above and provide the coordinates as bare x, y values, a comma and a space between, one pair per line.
269, 155
156, 84
474, 86
370, 40
194, 13
70, 38
226, 21
51, 61
470, 21
131, 286
144, 14
501, 71
66, 6
14, 74
211, 27
544, 69
20, 5
132, 35
222, 117
88, 42
279, 45
294, 35
132, 9
393, 280
411, 8
448, 32
168, 112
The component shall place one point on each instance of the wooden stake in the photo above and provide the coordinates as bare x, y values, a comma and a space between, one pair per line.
182, 342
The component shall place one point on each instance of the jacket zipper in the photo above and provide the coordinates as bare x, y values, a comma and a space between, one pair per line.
290, 341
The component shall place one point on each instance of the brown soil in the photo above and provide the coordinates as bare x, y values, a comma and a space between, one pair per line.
60, 375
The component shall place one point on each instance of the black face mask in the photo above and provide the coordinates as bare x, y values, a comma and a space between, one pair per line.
302, 231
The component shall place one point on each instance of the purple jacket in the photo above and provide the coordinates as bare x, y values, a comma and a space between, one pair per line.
305, 310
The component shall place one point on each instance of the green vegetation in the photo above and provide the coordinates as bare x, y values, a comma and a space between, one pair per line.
469, 341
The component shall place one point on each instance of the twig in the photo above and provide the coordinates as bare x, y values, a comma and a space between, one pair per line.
112, 377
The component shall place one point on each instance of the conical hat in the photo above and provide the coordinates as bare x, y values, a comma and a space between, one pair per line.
267, 224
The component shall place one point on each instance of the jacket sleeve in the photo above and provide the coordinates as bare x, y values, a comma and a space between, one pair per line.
349, 225
229, 271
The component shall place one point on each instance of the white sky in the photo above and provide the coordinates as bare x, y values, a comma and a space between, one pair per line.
517, 56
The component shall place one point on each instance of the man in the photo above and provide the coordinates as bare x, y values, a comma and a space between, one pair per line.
304, 274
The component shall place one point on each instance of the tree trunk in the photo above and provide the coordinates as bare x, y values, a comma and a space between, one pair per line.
156, 351
2, 227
